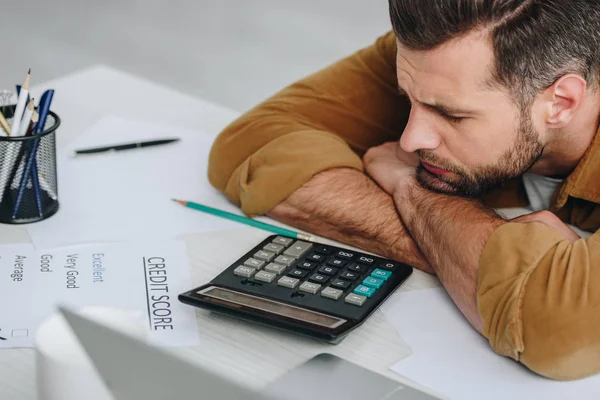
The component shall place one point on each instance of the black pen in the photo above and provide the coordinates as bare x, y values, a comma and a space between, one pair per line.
127, 146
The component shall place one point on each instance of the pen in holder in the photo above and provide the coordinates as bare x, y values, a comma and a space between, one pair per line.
28, 178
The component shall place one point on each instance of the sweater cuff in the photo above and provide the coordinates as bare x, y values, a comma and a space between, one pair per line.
282, 166
509, 257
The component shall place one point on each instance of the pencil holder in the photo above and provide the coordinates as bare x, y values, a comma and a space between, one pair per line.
28, 179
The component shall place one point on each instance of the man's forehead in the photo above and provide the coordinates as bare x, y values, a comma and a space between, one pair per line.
459, 65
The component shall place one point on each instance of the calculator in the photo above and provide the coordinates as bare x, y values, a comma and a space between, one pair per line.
302, 287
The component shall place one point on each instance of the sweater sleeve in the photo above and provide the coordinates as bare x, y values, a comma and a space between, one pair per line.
539, 299
327, 120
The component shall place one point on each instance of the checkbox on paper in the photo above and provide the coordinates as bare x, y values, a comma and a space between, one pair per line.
20, 333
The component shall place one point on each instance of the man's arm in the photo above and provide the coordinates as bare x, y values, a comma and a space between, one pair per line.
299, 146
452, 233
529, 286
346, 205
325, 121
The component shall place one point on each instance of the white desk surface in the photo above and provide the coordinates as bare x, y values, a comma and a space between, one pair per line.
249, 354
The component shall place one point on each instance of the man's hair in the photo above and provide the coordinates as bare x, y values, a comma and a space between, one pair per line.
535, 42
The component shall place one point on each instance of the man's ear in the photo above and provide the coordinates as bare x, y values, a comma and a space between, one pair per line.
563, 100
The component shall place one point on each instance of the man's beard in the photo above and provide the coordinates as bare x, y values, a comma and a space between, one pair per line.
476, 181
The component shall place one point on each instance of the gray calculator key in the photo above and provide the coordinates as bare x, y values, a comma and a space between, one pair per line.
264, 255
275, 268
283, 241
253, 263
244, 271
274, 248
311, 288
297, 249
285, 260
265, 276
331, 293
288, 282
355, 299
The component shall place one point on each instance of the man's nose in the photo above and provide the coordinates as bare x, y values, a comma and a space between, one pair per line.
419, 134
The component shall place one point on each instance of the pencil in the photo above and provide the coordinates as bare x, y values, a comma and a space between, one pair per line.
21, 103
4, 124
26, 120
243, 220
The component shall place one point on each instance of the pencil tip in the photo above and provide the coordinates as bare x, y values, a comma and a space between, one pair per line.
29, 72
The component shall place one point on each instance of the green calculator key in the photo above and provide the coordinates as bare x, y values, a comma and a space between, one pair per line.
364, 290
381, 274
373, 282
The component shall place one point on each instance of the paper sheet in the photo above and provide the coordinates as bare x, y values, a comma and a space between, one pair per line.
143, 277
452, 359
111, 197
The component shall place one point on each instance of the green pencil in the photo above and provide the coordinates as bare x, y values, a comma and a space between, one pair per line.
243, 220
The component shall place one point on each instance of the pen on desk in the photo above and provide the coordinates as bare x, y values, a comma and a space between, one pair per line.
125, 146
243, 220
21, 102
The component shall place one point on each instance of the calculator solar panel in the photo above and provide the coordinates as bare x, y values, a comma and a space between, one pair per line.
301, 286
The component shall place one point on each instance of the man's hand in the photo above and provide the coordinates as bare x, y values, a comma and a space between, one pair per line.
389, 165
549, 219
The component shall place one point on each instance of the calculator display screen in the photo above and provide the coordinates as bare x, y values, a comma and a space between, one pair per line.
273, 307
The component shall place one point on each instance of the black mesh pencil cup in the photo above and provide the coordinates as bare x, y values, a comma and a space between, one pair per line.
28, 180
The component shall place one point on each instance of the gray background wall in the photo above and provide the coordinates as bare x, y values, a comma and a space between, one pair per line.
233, 52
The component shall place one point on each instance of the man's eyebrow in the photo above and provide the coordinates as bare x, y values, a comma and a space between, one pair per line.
446, 110
442, 109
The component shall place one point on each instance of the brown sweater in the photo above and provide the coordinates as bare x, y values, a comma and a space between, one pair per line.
538, 294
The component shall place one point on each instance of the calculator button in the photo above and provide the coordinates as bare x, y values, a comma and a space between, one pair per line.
354, 267
243, 271
326, 270
373, 282
284, 241
288, 282
355, 299
337, 263
297, 249
340, 284
331, 293
253, 263
316, 257
297, 273
344, 254
366, 260
265, 276
323, 249
349, 275
388, 265
307, 265
285, 260
263, 255
275, 268
311, 288
274, 248
363, 290
381, 274
318, 278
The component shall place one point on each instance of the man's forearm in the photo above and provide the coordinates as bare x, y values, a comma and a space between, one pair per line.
345, 205
452, 233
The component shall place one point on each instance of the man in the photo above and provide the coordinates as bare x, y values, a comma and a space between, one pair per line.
466, 106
